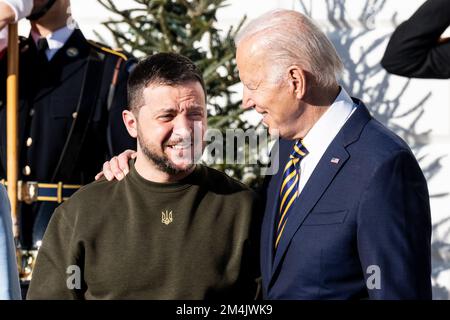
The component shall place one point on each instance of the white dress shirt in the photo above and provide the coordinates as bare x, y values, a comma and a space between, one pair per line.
323, 133
56, 40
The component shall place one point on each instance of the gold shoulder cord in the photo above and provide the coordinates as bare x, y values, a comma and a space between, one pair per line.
114, 52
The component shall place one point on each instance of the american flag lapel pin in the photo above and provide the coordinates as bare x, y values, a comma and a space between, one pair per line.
334, 160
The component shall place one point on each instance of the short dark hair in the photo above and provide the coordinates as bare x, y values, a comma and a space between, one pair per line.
163, 69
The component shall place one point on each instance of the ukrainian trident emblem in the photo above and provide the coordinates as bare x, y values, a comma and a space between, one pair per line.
166, 217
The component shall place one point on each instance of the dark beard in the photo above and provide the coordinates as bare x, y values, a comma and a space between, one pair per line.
162, 162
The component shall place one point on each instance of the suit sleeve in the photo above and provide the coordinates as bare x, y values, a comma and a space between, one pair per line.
394, 231
415, 48
57, 256
118, 138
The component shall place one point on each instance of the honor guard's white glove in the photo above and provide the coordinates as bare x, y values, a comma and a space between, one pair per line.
21, 8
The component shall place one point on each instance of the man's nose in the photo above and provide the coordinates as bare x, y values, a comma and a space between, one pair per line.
247, 101
183, 125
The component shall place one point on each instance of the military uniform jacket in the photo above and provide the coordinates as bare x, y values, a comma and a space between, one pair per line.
50, 96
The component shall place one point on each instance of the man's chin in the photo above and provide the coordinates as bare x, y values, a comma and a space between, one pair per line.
182, 166
182, 158
273, 131
38, 5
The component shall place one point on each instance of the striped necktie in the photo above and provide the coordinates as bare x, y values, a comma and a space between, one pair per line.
289, 188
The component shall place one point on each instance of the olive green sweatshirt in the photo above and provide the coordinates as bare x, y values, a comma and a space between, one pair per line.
137, 239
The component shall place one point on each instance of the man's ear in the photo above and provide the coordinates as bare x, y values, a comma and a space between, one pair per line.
297, 80
130, 122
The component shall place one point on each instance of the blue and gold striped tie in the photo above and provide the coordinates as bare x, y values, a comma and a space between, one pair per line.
289, 188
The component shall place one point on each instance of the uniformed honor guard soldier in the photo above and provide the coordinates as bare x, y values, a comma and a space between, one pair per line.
71, 95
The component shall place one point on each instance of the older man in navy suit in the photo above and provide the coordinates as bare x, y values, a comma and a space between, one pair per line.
347, 216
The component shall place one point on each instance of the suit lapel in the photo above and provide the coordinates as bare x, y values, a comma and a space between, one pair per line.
271, 207
319, 181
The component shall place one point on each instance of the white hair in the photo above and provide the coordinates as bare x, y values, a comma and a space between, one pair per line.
291, 38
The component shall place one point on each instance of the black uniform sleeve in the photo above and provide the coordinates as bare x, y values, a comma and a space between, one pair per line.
415, 48
118, 138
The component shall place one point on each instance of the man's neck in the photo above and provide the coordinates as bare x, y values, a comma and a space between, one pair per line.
149, 171
317, 103
44, 29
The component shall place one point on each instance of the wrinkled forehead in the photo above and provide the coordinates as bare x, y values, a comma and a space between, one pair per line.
183, 96
251, 60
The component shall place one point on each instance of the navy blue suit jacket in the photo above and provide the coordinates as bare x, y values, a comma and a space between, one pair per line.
361, 227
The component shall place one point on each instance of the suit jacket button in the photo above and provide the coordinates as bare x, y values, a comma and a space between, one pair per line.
74, 115
26, 170
29, 142
31, 112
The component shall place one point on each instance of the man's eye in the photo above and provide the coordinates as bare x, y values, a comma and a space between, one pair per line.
166, 117
251, 86
196, 114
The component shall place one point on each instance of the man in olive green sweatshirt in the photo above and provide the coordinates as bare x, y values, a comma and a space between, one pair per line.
171, 229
